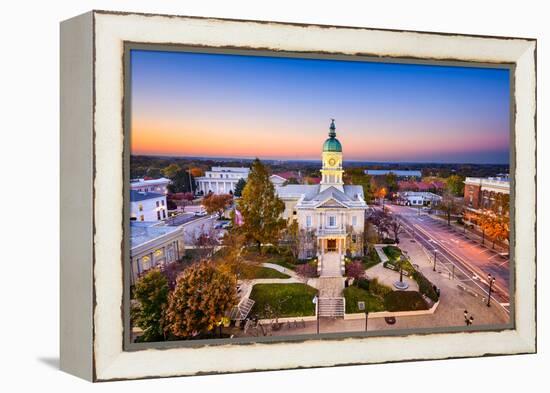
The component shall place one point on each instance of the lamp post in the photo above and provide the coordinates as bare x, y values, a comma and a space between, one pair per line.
491, 280
316, 302
468, 319
435, 257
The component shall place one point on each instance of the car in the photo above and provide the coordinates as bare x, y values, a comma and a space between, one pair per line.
200, 214
227, 225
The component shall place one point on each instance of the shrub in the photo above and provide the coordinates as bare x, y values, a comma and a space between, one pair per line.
378, 289
425, 286
388, 241
355, 270
362, 283
307, 270
404, 301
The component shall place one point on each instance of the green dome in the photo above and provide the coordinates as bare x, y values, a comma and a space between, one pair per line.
332, 144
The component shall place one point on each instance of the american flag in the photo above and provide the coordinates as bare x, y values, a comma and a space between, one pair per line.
238, 218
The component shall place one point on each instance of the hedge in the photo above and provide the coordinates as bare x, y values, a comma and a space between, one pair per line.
404, 301
425, 286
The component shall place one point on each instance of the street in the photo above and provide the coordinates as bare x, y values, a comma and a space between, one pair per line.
468, 260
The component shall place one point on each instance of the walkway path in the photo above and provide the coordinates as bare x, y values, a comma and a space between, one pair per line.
330, 265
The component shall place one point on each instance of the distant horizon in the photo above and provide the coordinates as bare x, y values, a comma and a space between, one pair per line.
241, 106
229, 159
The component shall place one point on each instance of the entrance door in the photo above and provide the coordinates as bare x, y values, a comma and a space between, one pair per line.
331, 245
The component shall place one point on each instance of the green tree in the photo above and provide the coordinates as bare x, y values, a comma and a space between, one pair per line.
261, 209
202, 298
170, 171
239, 187
391, 182
182, 181
455, 185
151, 299
360, 178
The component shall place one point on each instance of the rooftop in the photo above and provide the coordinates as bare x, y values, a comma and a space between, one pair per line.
143, 232
136, 196
148, 182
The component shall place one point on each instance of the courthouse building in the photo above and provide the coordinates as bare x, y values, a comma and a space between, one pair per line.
332, 212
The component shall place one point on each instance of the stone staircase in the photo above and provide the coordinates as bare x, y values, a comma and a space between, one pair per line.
333, 307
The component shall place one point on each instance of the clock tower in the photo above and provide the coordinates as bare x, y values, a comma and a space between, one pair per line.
332, 172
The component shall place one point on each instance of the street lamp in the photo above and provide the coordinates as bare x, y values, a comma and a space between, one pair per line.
468, 319
435, 257
491, 280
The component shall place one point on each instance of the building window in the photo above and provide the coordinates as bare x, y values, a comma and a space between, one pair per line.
145, 263
331, 221
162, 202
157, 203
163, 213
308, 221
354, 220
158, 215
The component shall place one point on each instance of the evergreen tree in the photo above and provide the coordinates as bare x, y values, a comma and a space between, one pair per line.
151, 296
182, 181
261, 209
239, 187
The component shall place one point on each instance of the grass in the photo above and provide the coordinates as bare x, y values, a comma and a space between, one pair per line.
355, 294
252, 272
405, 301
394, 252
371, 259
292, 300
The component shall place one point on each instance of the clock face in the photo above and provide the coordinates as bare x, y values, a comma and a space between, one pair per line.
331, 162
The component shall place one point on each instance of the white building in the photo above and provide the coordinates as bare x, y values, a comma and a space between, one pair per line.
147, 206
221, 180
334, 213
277, 180
159, 186
419, 198
153, 246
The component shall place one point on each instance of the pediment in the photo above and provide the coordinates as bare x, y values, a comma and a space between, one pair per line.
331, 203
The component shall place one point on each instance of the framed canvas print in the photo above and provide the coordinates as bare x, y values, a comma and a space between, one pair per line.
247, 195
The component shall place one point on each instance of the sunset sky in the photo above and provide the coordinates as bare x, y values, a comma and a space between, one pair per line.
211, 105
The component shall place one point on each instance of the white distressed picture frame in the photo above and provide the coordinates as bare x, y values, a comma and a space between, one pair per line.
92, 154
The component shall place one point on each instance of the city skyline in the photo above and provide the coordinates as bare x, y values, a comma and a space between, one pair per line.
242, 107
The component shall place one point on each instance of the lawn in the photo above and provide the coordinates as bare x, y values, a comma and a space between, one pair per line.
393, 253
292, 300
254, 271
355, 294
371, 259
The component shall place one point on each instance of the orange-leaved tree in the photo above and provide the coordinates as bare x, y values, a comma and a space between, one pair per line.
201, 300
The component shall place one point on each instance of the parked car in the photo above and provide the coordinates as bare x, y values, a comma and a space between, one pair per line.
201, 213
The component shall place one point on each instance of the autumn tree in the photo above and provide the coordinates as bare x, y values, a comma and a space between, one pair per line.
260, 207
232, 261
196, 172
202, 298
204, 241
495, 227
170, 171
217, 203
151, 299
239, 187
